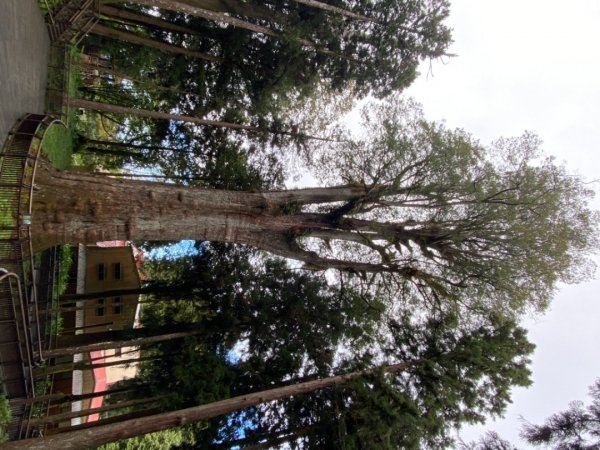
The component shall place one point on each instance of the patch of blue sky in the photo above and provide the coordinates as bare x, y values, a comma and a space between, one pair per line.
173, 251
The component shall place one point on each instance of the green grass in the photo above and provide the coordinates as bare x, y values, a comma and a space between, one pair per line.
58, 146
5, 416
66, 261
52, 5
63, 79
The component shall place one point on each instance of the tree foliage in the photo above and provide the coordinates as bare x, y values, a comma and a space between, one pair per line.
576, 428
442, 216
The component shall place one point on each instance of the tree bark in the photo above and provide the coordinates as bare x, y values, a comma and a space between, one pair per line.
87, 365
139, 40
102, 422
111, 293
188, 8
335, 9
78, 440
57, 418
60, 397
144, 19
74, 207
117, 109
83, 343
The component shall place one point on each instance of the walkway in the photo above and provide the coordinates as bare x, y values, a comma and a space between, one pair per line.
24, 48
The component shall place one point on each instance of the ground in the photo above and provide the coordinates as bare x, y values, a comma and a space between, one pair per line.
24, 49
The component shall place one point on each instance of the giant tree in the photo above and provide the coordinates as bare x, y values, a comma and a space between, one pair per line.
414, 207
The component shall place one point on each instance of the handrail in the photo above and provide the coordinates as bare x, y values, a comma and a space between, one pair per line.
7, 274
18, 163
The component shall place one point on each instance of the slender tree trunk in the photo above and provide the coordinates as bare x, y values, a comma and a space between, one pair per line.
335, 9
116, 109
127, 145
96, 344
135, 154
86, 365
132, 38
77, 440
145, 84
236, 7
60, 397
145, 19
102, 422
188, 8
110, 293
57, 418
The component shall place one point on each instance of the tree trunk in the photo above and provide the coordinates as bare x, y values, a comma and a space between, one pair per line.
86, 365
102, 422
236, 7
60, 397
144, 84
75, 207
57, 418
84, 343
335, 9
145, 19
139, 40
69, 298
83, 439
116, 109
127, 145
188, 8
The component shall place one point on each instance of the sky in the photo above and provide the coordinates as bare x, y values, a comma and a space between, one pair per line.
532, 65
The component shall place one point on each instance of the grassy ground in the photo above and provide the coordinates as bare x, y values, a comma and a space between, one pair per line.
63, 79
58, 146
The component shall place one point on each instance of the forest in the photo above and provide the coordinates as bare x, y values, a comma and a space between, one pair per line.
379, 305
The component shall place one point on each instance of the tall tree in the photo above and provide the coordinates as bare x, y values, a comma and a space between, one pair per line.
423, 211
468, 371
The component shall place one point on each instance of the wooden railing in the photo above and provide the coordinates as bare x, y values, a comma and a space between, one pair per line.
22, 334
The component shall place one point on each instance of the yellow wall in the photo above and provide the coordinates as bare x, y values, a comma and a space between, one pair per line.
110, 312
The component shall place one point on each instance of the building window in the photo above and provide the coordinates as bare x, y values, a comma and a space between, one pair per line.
117, 305
101, 272
100, 307
117, 271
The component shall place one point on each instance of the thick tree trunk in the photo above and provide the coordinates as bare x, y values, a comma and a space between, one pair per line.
139, 40
83, 439
73, 207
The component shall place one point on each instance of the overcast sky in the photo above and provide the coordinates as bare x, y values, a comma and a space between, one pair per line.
532, 65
